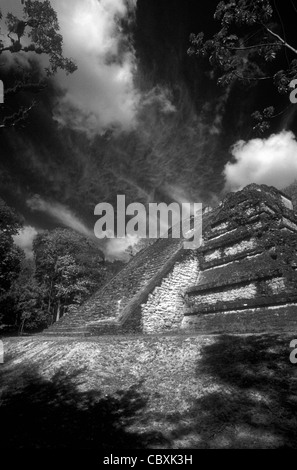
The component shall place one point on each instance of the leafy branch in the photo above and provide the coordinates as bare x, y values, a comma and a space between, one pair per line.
37, 32
246, 41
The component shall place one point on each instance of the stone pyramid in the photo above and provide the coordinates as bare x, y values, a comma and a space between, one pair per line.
242, 279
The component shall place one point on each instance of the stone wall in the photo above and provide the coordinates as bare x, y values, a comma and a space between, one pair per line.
235, 249
247, 263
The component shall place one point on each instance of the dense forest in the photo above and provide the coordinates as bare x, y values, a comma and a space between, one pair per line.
66, 269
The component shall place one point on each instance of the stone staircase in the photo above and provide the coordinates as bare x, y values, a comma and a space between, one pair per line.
106, 311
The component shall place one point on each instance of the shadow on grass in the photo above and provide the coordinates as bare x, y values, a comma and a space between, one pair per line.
250, 395
38, 413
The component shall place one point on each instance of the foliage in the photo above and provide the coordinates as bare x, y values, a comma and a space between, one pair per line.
69, 267
35, 34
246, 45
140, 245
29, 307
10, 255
10, 221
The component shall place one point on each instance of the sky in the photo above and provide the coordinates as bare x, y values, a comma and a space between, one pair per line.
139, 117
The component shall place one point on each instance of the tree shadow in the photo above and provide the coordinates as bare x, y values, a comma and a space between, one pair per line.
250, 395
40, 413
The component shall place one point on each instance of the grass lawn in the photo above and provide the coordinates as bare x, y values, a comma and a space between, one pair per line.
164, 392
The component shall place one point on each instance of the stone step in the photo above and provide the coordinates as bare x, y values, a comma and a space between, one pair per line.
127, 284
64, 333
274, 319
246, 269
130, 286
240, 304
225, 260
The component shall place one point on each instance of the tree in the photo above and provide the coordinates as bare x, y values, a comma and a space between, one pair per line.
250, 46
140, 245
35, 34
69, 267
28, 309
10, 255
10, 222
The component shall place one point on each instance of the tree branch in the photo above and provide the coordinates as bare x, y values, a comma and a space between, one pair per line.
13, 48
281, 112
252, 78
16, 118
253, 47
31, 87
280, 39
295, 9
7, 48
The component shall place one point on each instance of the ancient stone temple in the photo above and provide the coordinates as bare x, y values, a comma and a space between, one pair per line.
242, 279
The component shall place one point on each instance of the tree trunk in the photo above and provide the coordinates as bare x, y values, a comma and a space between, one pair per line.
22, 326
50, 298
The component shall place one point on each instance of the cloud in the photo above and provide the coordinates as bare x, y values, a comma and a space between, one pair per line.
101, 93
24, 239
271, 161
219, 112
116, 247
161, 97
60, 213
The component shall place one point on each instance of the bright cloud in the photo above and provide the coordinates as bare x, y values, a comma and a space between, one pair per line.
24, 239
60, 213
116, 247
101, 92
271, 161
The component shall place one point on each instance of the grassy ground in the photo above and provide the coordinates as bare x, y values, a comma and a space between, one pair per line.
149, 392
